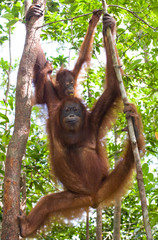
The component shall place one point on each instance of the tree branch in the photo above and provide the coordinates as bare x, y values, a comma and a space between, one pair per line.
116, 6
63, 20
134, 14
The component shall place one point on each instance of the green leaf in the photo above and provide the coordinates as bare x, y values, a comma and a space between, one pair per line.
39, 187
151, 176
154, 8
145, 168
2, 172
8, 16
4, 117
156, 74
12, 22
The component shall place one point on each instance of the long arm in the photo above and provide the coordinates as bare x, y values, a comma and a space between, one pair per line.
42, 79
109, 102
36, 11
42, 69
87, 45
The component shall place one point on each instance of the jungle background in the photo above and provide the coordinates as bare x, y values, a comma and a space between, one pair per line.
137, 44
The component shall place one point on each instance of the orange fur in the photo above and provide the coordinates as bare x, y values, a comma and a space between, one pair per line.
78, 157
42, 69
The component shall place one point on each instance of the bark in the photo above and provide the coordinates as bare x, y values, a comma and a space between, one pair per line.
17, 145
87, 225
117, 219
132, 136
99, 223
117, 210
23, 192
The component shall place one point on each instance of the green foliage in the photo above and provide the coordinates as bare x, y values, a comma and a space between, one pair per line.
59, 61
137, 47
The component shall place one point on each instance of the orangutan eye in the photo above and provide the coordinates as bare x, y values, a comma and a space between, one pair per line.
67, 109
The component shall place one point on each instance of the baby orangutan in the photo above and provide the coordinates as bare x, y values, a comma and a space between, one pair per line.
65, 81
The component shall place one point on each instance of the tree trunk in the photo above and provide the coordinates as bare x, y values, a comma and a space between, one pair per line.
99, 223
117, 219
87, 225
17, 145
117, 210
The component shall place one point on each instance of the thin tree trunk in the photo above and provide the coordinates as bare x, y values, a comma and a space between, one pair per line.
131, 135
17, 145
117, 219
87, 225
117, 210
99, 223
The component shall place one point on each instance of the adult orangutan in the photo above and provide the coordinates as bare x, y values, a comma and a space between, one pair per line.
78, 155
